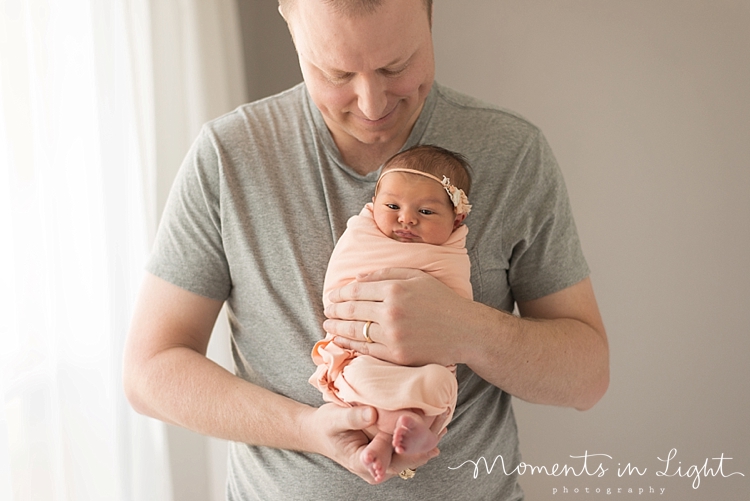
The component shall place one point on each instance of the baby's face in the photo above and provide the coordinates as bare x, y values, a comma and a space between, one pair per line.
413, 208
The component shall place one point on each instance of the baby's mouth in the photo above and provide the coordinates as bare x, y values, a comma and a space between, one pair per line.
405, 234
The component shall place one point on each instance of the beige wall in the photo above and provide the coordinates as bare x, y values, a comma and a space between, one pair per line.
270, 60
646, 106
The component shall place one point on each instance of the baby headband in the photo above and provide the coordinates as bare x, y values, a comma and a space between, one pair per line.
457, 195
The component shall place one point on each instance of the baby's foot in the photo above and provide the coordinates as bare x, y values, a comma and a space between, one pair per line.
377, 456
412, 436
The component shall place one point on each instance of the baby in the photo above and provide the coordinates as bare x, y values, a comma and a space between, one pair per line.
420, 199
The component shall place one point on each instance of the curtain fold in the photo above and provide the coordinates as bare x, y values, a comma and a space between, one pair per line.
75, 236
85, 118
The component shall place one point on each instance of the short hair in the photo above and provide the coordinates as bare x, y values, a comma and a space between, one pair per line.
351, 7
436, 161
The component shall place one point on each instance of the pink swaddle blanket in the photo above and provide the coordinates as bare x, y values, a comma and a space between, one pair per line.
348, 378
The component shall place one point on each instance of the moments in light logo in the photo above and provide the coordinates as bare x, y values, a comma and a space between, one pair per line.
599, 465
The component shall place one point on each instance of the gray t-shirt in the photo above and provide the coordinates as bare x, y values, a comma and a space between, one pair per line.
253, 217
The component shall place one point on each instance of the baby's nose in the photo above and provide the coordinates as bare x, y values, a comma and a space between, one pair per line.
407, 217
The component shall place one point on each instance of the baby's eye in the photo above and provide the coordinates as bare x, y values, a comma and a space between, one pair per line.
426, 212
392, 206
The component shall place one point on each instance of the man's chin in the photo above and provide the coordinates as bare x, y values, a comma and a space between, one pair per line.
377, 135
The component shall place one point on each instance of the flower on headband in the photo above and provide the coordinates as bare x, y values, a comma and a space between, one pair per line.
458, 197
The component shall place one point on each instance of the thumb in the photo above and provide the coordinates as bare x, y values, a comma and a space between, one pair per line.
360, 417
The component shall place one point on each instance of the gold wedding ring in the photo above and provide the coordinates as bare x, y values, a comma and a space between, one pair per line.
408, 473
366, 331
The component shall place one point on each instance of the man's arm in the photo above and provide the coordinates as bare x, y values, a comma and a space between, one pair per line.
167, 376
556, 354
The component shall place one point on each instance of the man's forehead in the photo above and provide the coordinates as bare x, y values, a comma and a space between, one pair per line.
406, 13
337, 42
352, 7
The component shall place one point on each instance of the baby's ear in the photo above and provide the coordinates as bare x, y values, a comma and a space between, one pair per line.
459, 219
373, 199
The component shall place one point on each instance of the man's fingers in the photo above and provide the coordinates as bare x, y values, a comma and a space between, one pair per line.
388, 274
400, 462
356, 291
361, 348
346, 328
367, 288
354, 330
349, 310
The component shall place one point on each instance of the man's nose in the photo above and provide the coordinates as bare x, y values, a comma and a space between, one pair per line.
371, 97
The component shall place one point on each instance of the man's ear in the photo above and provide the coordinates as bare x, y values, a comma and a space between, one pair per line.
288, 25
459, 219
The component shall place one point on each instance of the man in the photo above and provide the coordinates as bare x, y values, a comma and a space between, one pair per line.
255, 211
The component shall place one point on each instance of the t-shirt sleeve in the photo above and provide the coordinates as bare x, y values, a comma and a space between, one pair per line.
547, 257
188, 249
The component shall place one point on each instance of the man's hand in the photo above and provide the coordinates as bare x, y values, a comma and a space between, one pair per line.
415, 317
167, 376
336, 432
555, 354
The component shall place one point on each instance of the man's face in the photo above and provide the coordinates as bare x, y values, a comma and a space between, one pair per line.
368, 74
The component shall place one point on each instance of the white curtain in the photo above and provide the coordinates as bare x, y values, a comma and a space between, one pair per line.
86, 116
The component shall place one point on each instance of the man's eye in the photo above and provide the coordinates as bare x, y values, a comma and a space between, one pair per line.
338, 78
389, 72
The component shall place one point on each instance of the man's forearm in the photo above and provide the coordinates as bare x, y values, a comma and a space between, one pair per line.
557, 355
167, 376
556, 362
182, 387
